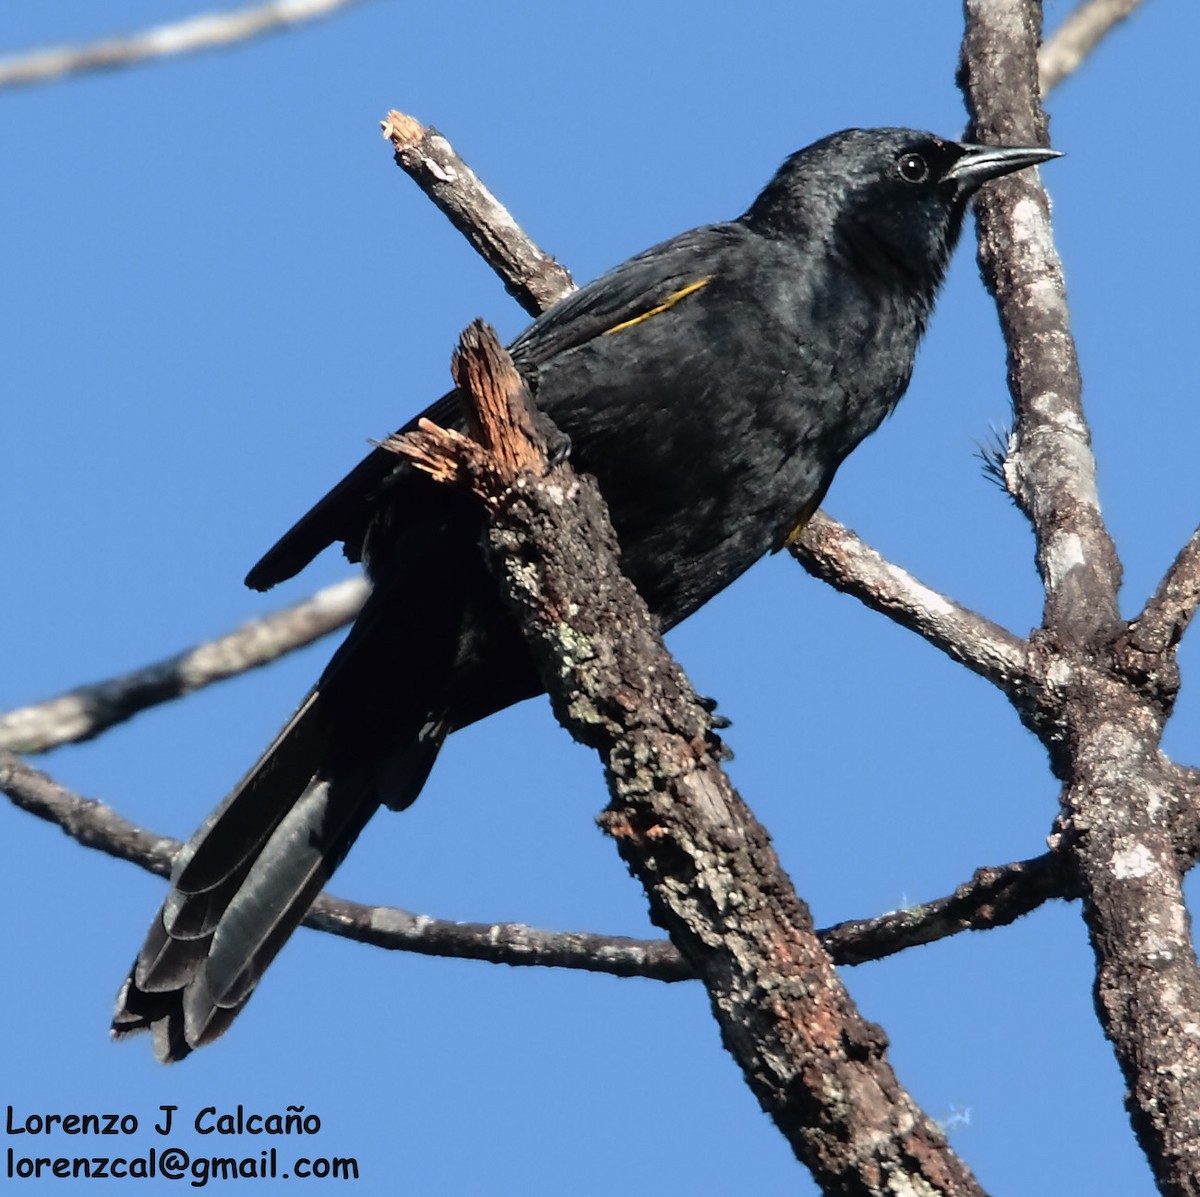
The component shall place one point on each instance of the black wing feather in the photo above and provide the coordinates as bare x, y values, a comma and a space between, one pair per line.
631, 290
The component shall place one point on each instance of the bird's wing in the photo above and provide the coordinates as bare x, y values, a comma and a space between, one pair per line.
343, 514
636, 290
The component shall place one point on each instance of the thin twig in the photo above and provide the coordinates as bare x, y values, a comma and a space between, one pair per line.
1076, 38
87, 711
208, 31
837, 556
91, 823
514, 944
532, 277
993, 897
1165, 618
98, 826
1062, 55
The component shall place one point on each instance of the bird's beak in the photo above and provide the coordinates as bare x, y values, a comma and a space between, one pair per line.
982, 162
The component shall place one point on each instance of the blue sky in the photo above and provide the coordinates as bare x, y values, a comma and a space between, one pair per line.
217, 286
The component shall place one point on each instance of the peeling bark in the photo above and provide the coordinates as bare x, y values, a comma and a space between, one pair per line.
711, 875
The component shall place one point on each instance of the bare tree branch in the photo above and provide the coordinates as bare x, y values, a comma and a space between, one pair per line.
993, 897
1147, 983
708, 868
87, 711
1105, 713
84, 819
533, 278
98, 826
1082, 31
514, 944
208, 31
1049, 468
537, 281
1165, 618
1062, 55
837, 556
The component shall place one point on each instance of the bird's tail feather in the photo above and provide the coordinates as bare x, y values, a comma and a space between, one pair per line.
247, 877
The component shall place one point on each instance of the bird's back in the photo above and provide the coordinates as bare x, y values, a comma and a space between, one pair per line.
715, 414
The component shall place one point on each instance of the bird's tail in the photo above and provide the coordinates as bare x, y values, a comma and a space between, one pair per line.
246, 879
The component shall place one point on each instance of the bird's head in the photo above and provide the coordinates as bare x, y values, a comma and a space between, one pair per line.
891, 201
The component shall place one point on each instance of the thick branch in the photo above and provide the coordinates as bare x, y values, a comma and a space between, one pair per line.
1120, 794
712, 877
89, 710
836, 555
1082, 31
533, 278
1049, 468
208, 31
1147, 982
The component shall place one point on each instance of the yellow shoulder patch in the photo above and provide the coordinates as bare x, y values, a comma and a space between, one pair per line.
670, 301
801, 520
804, 513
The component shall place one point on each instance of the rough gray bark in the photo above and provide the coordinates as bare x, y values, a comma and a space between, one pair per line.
1095, 689
1103, 691
708, 868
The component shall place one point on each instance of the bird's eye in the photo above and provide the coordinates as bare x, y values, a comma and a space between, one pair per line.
913, 168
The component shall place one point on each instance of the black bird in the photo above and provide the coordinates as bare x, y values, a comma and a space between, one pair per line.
712, 384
